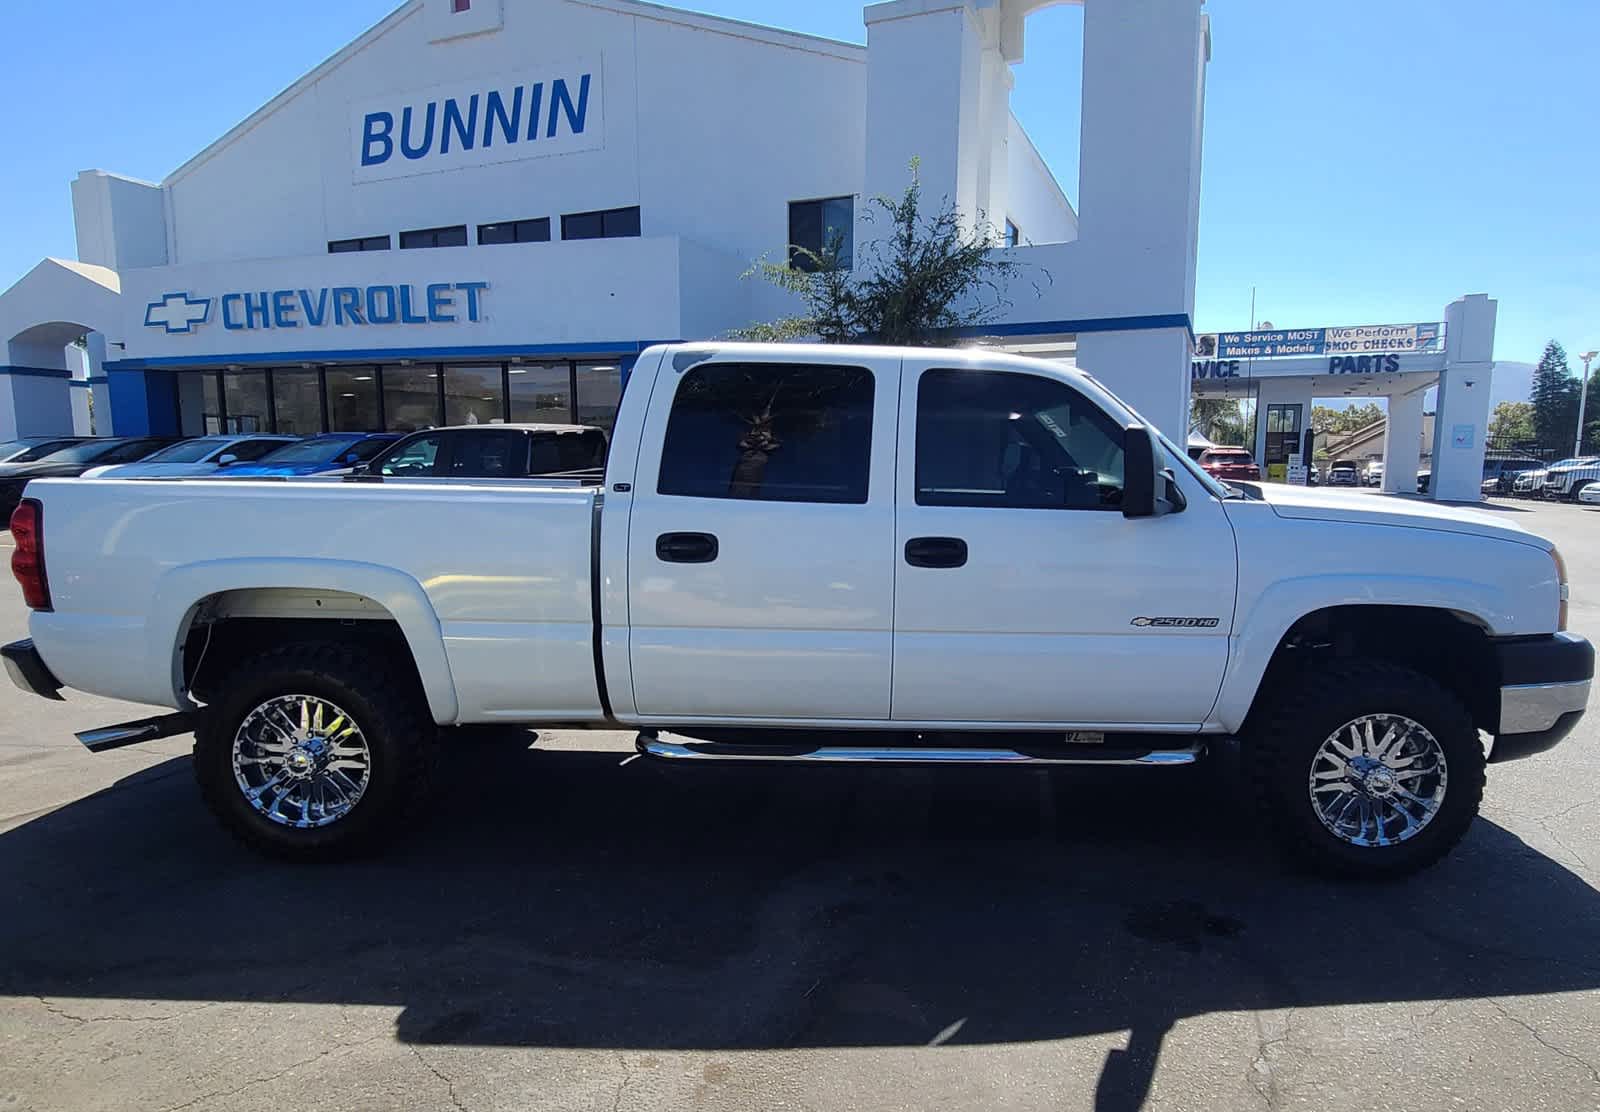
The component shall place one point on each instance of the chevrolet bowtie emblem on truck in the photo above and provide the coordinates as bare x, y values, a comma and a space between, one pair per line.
1176, 623
177, 312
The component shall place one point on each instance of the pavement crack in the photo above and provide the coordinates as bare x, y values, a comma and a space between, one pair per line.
224, 1094
1594, 1073
448, 1084
622, 1086
1261, 1075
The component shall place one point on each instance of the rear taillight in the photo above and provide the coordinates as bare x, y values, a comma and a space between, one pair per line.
1564, 588
27, 562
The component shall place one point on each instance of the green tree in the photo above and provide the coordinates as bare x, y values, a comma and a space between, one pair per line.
1221, 420
924, 277
1512, 421
1555, 398
1340, 421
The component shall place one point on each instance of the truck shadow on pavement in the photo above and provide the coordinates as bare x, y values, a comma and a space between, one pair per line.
559, 900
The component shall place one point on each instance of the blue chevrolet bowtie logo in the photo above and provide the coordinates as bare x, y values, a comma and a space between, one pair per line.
177, 312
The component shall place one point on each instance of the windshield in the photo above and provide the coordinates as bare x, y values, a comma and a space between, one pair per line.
319, 450
30, 451
87, 452
190, 451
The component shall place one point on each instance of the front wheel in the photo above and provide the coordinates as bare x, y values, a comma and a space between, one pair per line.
314, 751
1367, 770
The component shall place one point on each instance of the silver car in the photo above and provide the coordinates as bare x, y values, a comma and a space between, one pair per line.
204, 455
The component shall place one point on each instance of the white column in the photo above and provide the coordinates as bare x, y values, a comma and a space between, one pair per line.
1137, 367
99, 390
1402, 442
1461, 417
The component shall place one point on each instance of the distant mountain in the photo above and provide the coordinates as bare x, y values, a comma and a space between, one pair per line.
1512, 382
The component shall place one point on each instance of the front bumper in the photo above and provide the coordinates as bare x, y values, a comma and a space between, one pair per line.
28, 670
1544, 689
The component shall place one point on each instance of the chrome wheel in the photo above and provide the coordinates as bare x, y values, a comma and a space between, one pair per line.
301, 761
1378, 780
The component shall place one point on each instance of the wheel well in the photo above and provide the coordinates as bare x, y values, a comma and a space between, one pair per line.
1450, 648
232, 626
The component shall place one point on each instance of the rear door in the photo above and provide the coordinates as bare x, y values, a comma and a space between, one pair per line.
1023, 595
760, 583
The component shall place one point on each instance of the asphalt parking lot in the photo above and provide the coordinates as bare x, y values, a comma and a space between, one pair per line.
571, 932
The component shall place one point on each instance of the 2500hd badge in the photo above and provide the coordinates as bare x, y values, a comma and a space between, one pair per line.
1176, 623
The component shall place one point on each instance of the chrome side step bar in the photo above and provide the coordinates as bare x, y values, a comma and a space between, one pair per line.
909, 755
107, 738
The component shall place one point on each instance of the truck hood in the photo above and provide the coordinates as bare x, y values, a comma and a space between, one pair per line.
1384, 509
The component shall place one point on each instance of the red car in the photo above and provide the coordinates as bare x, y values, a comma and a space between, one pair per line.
1230, 463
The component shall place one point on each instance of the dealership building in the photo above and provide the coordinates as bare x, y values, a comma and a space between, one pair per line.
484, 210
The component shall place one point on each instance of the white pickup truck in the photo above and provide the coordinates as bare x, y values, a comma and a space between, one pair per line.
818, 554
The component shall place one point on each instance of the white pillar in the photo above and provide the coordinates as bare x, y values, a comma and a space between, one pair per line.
1402, 442
99, 391
1137, 368
1461, 417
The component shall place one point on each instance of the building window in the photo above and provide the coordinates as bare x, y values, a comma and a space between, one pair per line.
822, 229
541, 393
773, 432
434, 237
1013, 235
459, 6
297, 402
411, 397
1014, 441
365, 243
472, 396
599, 394
516, 231
353, 400
610, 224
244, 393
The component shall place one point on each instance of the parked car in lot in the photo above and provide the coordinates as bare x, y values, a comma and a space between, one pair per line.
29, 449
316, 455
1372, 475
1528, 484
1563, 480
1590, 494
492, 452
1230, 463
205, 455
1503, 473
817, 554
1344, 473
73, 461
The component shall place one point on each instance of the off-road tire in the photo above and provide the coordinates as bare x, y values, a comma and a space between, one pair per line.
1281, 746
386, 703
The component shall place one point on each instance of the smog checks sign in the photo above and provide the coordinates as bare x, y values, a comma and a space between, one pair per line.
1365, 339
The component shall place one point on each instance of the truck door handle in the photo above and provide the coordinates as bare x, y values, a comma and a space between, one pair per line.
686, 548
936, 552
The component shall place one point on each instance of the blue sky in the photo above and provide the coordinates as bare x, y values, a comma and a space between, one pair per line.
1365, 161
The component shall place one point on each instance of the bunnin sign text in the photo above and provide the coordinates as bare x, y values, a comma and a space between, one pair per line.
184, 312
1365, 339
557, 109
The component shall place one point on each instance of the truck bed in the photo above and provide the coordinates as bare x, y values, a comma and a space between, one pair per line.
515, 633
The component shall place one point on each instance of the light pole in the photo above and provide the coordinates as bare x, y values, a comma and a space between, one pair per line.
1583, 396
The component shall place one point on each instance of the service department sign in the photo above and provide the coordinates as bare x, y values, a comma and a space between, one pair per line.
182, 312
556, 109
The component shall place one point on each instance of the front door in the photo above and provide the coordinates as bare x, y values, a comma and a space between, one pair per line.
759, 583
1023, 595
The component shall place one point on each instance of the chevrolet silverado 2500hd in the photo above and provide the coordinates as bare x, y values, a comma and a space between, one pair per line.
818, 554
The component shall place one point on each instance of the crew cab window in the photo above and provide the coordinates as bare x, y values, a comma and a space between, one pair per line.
776, 432
555, 453
1017, 441
247, 451
488, 455
411, 458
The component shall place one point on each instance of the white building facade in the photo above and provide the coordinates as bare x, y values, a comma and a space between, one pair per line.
483, 210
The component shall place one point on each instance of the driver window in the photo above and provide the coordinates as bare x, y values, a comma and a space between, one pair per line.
412, 458
1018, 441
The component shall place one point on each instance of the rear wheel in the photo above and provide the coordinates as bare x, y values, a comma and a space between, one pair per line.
1367, 770
315, 751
